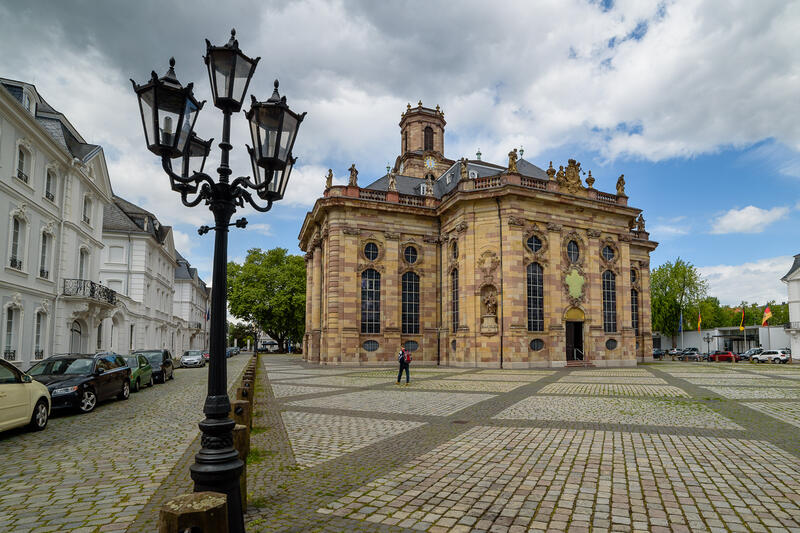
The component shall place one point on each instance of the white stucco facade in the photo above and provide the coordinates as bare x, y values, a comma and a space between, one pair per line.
792, 280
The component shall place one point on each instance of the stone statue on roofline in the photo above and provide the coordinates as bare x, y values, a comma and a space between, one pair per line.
329, 180
392, 182
640, 223
353, 176
621, 185
429, 188
512, 161
464, 173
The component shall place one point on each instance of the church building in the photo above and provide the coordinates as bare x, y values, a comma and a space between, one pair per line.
473, 264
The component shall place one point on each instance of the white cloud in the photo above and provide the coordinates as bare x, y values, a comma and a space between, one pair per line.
661, 231
263, 229
757, 281
183, 243
749, 219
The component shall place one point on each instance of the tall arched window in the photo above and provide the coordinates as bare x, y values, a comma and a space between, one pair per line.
15, 260
410, 298
609, 302
535, 298
428, 138
454, 299
75, 335
50, 186
370, 301
10, 341
38, 348
635, 311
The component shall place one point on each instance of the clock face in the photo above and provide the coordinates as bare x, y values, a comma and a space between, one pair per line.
430, 163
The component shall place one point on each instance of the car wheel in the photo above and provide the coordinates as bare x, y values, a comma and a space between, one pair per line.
151, 381
125, 393
172, 374
88, 401
136, 386
40, 416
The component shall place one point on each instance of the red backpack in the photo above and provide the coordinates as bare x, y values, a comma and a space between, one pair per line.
407, 355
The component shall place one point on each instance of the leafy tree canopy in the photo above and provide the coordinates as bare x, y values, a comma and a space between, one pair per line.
674, 286
269, 290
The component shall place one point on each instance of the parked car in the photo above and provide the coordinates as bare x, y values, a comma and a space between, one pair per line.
772, 356
193, 358
23, 401
141, 371
206, 355
230, 351
161, 361
658, 353
723, 355
81, 381
690, 354
746, 356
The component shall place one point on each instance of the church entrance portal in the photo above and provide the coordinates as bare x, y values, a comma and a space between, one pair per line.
574, 341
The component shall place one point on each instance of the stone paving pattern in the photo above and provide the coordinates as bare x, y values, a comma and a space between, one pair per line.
605, 389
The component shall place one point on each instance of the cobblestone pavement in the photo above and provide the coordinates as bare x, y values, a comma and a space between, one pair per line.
97, 472
662, 447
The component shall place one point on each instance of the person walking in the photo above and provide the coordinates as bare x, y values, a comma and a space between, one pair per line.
404, 358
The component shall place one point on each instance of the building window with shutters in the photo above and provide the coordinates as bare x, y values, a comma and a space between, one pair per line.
410, 303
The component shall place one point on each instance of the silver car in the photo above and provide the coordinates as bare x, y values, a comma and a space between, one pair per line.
193, 358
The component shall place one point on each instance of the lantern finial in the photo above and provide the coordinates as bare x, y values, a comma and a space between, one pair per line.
275, 96
233, 43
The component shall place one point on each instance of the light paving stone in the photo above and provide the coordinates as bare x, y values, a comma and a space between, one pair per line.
788, 412
648, 412
283, 390
604, 389
742, 381
581, 378
341, 381
530, 378
466, 385
404, 400
757, 393
488, 461
316, 438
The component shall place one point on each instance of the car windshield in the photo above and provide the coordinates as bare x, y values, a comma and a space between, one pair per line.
133, 362
194, 353
76, 365
155, 359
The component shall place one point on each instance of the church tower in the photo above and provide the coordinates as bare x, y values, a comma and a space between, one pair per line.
421, 142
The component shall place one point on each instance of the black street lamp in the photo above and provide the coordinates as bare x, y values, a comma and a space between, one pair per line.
169, 112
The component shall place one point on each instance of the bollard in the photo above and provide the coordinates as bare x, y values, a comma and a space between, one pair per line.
240, 412
241, 442
200, 511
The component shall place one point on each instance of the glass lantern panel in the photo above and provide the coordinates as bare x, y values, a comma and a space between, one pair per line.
269, 121
189, 116
223, 64
146, 103
240, 77
170, 108
287, 136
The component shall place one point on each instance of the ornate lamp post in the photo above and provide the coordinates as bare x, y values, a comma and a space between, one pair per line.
169, 111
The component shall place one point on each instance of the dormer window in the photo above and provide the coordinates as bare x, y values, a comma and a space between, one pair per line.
423, 189
26, 101
449, 178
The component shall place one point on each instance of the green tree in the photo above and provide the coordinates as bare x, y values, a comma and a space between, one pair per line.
674, 287
241, 332
269, 290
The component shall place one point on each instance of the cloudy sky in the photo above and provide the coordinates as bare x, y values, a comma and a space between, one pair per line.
697, 103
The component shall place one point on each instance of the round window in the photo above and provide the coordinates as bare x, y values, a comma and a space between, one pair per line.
455, 250
611, 344
371, 251
453, 344
534, 243
411, 346
572, 251
370, 346
633, 276
608, 253
537, 344
410, 254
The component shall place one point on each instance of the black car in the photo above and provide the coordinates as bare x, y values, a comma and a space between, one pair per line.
658, 353
81, 381
161, 361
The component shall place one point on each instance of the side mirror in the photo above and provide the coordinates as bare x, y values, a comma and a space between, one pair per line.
26, 378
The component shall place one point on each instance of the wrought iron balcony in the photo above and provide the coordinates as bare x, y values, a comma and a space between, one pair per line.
10, 355
89, 289
44, 273
50, 196
38, 354
22, 176
87, 219
15, 262
195, 325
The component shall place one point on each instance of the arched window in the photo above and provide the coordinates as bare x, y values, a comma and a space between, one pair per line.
87, 209
454, 299
22, 165
17, 251
75, 337
370, 301
609, 302
535, 298
410, 308
635, 311
573, 252
10, 341
83, 264
50, 186
428, 138
38, 349
44, 257
100, 336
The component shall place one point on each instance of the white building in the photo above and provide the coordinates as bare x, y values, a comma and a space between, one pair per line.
53, 185
792, 280
70, 280
727, 338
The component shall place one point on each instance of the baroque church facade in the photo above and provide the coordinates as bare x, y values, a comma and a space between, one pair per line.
473, 264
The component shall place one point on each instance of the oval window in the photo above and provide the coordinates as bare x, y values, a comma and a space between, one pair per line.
534, 243
611, 344
572, 251
411, 346
537, 344
370, 346
608, 253
371, 251
410, 254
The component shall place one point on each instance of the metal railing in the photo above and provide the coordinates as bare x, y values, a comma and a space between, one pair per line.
87, 219
44, 273
38, 354
89, 289
22, 176
195, 325
10, 355
50, 196
15, 262
575, 353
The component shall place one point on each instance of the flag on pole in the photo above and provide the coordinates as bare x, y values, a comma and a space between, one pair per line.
767, 316
699, 321
741, 324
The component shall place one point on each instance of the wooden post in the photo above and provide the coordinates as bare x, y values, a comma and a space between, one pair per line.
199, 511
240, 412
241, 442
